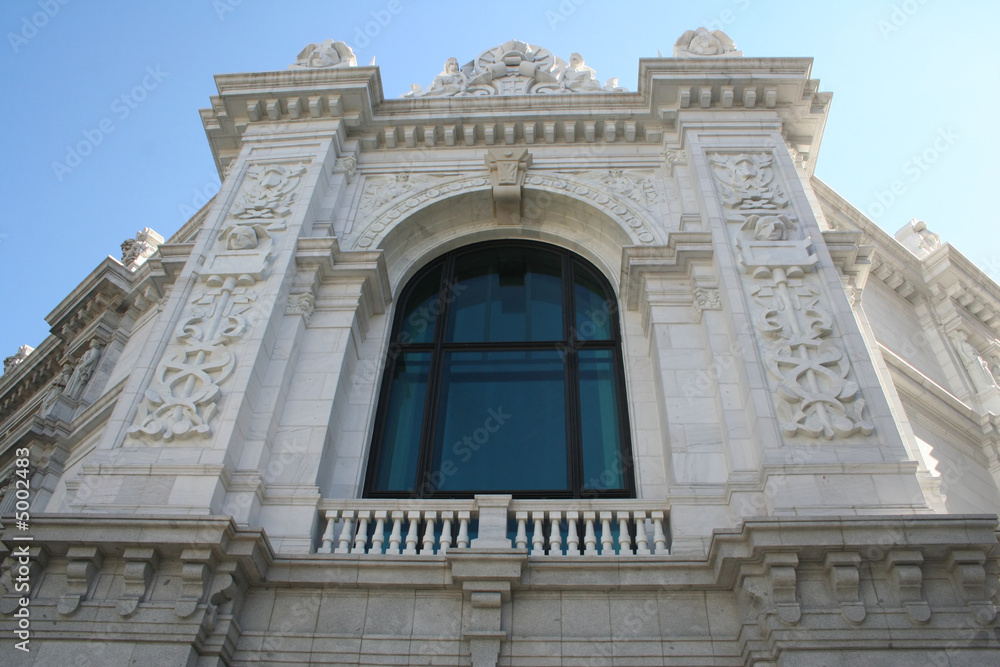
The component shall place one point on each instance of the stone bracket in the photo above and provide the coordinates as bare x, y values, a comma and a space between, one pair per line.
780, 571
81, 572
507, 167
140, 564
967, 566
194, 577
842, 572
907, 576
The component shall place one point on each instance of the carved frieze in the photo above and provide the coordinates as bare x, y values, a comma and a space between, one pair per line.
183, 396
815, 395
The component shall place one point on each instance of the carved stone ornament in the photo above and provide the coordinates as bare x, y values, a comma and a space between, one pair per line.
300, 304
183, 396
918, 239
84, 370
347, 165
325, 55
515, 68
136, 251
704, 43
376, 225
705, 299
815, 396
11, 362
267, 192
507, 170
381, 190
975, 365
56, 388
747, 182
632, 184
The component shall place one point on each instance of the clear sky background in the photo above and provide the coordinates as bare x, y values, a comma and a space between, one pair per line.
909, 78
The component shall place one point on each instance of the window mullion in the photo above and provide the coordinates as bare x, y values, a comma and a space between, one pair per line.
422, 485
574, 439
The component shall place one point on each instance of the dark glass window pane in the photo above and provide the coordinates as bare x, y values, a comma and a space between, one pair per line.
603, 466
404, 418
501, 422
507, 294
422, 307
594, 306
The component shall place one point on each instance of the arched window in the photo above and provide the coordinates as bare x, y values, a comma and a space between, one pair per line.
504, 375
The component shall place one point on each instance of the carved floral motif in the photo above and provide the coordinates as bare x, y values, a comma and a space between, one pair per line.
182, 398
634, 185
815, 395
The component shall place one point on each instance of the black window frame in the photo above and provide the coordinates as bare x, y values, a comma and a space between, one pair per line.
568, 346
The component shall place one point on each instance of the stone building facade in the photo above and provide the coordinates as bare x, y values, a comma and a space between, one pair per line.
798, 462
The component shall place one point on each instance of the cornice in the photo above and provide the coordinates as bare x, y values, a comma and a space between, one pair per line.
288, 102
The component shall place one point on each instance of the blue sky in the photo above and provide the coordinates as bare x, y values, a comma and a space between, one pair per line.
914, 83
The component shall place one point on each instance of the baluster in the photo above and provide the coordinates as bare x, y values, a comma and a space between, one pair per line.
378, 537
555, 537
538, 534
641, 539
607, 539
361, 538
396, 536
521, 539
659, 538
463, 530
331, 519
589, 539
412, 533
427, 548
624, 539
346, 533
572, 536
446, 519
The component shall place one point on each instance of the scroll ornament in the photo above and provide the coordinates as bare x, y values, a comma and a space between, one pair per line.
815, 396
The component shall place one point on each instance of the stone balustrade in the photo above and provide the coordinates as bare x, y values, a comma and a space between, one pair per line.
561, 528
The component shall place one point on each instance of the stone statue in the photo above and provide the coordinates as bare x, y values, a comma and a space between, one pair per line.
11, 362
451, 81
978, 368
703, 43
325, 55
55, 389
84, 370
577, 77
